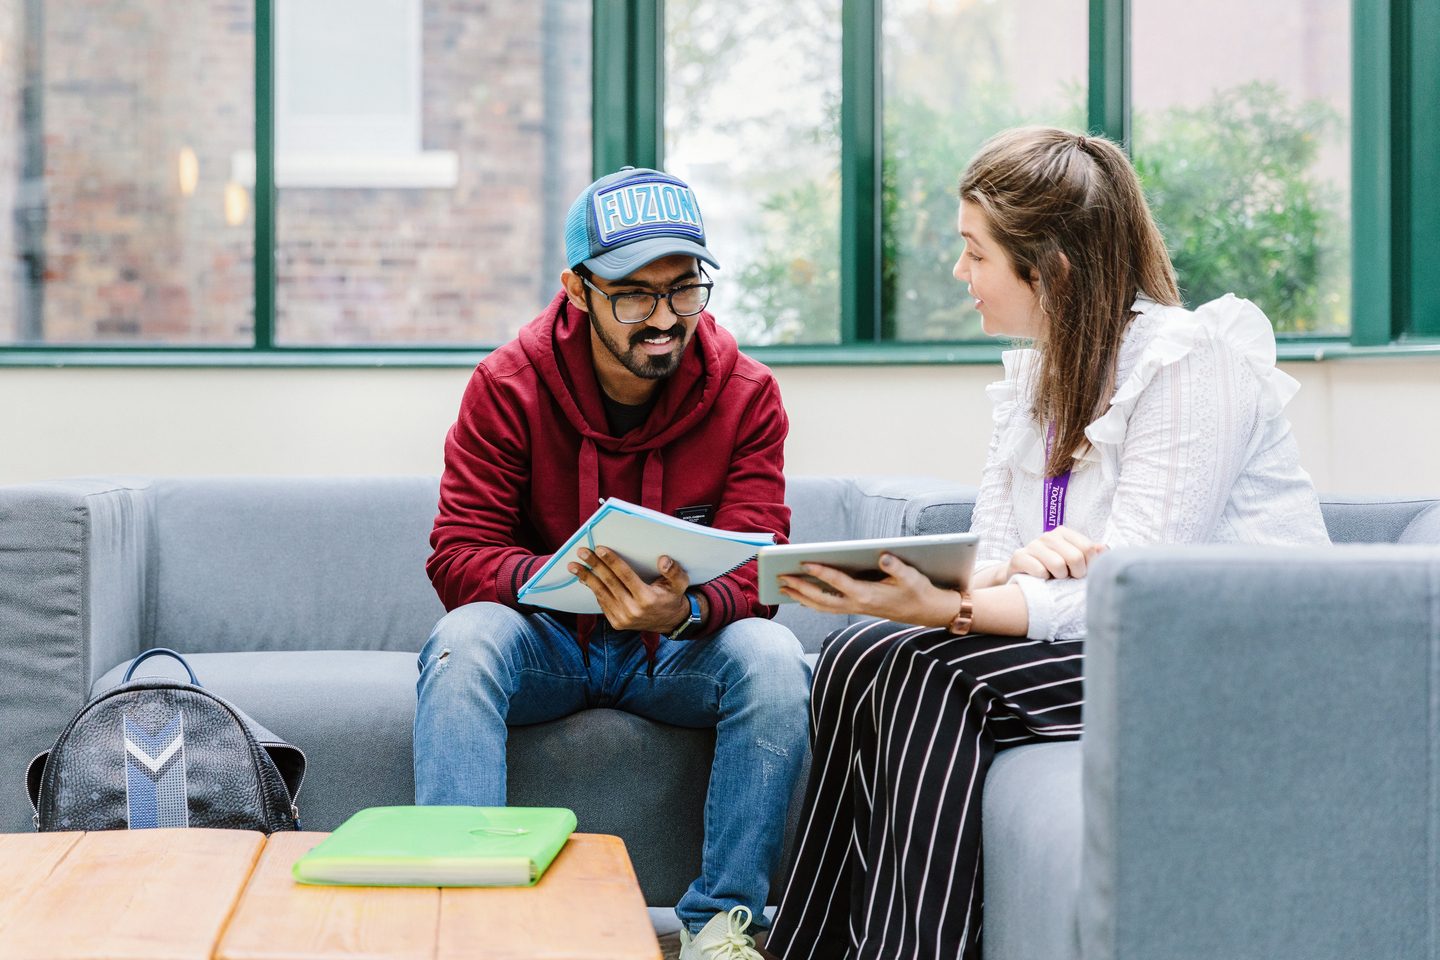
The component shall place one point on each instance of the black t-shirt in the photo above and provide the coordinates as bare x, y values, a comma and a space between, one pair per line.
624, 417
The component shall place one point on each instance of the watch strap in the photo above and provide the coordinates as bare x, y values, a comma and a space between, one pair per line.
960, 623
691, 623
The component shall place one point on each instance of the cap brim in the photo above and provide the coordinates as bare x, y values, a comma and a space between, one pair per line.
623, 261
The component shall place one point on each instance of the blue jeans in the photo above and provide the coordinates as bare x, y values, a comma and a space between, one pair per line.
486, 666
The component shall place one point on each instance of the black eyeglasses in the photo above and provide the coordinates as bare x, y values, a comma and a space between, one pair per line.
684, 301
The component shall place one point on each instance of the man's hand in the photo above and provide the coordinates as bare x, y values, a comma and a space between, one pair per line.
905, 595
1060, 554
630, 603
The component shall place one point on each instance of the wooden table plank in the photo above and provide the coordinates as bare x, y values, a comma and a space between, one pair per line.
135, 895
26, 861
588, 906
279, 919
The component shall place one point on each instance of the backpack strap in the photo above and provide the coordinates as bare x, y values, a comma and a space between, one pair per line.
155, 652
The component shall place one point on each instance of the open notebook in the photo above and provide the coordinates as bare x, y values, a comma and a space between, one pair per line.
439, 847
641, 536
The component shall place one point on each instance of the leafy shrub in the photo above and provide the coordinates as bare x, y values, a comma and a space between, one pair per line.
1232, 184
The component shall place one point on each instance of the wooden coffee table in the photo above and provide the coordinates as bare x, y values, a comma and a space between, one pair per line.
228, 895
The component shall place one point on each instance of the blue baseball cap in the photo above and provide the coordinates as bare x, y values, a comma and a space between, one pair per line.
632, 217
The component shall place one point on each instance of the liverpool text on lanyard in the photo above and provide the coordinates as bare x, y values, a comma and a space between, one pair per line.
1055, 488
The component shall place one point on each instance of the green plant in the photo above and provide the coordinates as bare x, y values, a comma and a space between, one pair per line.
790, 293
925, 152
1232, 184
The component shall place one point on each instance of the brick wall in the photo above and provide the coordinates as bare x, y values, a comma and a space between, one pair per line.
132, 85
474, 262
129, 85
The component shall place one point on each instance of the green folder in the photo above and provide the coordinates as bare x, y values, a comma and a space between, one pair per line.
439, 847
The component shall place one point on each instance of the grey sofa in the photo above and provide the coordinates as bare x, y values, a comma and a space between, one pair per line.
1258, 778
305, 602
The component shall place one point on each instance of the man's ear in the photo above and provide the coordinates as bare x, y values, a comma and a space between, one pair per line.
574, 288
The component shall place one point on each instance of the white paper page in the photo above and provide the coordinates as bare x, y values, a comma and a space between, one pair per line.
641, 541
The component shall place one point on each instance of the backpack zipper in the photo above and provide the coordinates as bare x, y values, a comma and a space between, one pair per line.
35, 804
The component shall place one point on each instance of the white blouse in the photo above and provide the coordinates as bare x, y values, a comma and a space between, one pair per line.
1194, 448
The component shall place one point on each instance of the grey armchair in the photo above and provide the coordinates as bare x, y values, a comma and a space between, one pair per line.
1258, 774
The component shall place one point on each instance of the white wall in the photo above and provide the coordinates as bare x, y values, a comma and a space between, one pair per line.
1363, 425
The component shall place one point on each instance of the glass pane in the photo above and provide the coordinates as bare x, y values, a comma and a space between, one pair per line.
335, 34
1242, 135
956, 72
752, 122
119, 217
376, 109
456, 237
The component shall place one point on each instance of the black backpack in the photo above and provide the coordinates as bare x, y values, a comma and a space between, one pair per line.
156, 752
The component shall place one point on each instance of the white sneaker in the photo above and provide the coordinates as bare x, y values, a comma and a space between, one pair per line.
722, 938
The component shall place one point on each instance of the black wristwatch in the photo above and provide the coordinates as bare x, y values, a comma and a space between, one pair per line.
690, 624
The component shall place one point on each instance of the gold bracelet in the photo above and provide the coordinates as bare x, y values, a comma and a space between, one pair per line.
960, 625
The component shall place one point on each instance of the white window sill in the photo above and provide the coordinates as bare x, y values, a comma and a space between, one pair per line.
431, 169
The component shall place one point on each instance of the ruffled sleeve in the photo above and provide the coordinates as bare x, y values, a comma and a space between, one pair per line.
1238, 324
1179, 431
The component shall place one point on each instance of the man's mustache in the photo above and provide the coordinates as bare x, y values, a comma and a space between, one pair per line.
639, 335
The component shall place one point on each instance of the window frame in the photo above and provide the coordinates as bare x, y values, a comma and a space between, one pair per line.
1393, 227
1394, 312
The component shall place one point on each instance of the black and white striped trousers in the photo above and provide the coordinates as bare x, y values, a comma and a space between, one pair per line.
904, 723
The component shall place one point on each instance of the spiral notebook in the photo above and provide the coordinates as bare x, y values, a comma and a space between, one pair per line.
439, 847
641, 536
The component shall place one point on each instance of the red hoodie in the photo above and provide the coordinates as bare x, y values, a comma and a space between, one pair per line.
530, 457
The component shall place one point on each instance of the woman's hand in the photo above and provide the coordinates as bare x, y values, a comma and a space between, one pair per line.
905, 595
1060, 554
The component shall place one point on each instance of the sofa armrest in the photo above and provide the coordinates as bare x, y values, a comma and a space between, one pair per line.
1423, 528
1262, 753
908, 506
949, 511
73, 578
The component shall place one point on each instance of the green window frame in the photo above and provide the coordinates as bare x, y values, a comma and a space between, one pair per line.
1395, 136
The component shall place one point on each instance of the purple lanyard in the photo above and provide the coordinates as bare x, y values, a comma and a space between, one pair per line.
1055, 489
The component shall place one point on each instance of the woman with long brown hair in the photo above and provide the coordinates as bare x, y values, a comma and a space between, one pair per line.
1131, 421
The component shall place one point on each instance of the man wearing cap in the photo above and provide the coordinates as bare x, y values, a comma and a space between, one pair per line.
623, 387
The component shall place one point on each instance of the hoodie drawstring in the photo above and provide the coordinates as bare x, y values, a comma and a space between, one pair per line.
589, 478
652, 482
652, 487
585, 623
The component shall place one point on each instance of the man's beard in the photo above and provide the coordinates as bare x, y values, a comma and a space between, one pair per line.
636, 360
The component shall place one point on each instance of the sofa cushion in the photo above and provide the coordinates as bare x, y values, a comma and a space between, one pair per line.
1032, 840
266, 563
